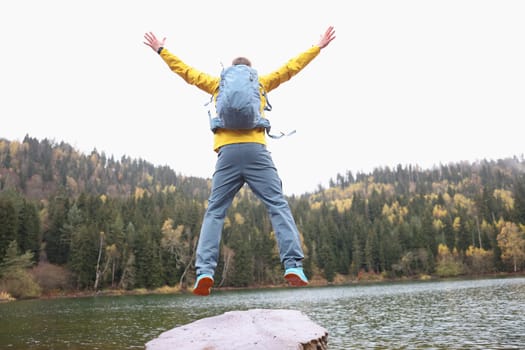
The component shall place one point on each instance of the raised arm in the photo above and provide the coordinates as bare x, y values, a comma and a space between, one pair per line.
296, 64
327, 37
191, 75
152, 41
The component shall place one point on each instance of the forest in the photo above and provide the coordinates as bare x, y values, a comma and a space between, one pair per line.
87, 222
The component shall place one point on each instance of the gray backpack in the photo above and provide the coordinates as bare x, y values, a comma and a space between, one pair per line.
238, 101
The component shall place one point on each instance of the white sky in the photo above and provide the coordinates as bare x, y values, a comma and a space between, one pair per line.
405, 82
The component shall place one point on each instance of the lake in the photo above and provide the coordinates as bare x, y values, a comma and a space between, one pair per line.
467, 314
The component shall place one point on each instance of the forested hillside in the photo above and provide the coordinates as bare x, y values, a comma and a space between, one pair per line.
88, 222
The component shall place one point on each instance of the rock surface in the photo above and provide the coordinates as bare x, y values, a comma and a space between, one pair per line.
252, 329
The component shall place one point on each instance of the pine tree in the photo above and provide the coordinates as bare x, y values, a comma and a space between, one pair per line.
14, 277
29, 229
8, 225
518, 214
57, 250
357, 255
243, 260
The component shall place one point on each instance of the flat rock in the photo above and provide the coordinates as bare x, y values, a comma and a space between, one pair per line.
252, 329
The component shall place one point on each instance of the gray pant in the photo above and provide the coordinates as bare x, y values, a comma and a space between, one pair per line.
249, 163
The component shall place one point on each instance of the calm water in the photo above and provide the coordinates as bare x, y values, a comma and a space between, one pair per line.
474, 314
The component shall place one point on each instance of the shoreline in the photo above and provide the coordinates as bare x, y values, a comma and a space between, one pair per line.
315, 282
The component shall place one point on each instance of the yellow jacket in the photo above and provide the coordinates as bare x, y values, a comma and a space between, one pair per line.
209, 84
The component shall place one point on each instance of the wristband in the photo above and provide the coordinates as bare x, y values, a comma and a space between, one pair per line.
159, 50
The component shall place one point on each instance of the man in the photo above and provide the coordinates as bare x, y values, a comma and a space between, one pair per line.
243, 158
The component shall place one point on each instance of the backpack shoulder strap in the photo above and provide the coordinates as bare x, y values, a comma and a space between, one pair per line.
267, 106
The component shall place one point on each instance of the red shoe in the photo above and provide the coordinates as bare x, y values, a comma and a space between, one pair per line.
295, 277
203, 285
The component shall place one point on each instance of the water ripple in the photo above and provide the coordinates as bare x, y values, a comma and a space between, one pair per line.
474, 314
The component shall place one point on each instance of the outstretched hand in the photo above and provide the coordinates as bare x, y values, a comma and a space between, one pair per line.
327, 37
153, 42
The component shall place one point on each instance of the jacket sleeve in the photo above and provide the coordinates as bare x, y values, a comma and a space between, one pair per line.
291, 68
191, 75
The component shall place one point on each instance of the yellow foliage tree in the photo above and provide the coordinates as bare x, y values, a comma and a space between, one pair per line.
506, 197
480, 260
171, 239
456, 224
437, 225
439, 212
239, 219
449, 263
395, 213
139, 193
511, 241
343, 204
174, 242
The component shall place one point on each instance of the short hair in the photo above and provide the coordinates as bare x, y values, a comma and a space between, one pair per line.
241, 60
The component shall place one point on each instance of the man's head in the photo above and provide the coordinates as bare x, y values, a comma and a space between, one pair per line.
241, 60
